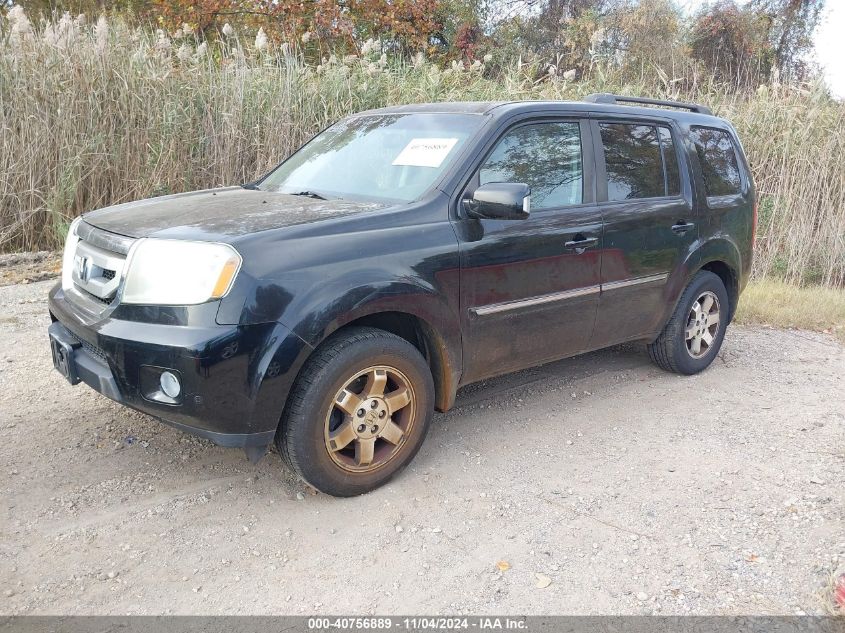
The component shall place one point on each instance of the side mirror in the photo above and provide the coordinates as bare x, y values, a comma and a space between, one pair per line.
500, 201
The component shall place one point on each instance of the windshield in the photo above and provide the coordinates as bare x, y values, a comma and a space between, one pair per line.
395, 157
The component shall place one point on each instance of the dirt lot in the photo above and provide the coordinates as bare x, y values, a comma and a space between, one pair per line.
24, 268
630, 489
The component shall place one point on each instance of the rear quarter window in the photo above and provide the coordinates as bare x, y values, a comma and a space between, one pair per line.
718, 160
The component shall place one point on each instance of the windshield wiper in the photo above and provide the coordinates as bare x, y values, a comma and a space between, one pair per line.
250, 185
310, 194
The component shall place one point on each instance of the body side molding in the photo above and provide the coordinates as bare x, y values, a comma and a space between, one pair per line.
495, 308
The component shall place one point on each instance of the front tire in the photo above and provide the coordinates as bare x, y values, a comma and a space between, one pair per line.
693, 336
358, 412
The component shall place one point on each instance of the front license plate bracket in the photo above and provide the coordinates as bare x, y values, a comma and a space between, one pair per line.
63, 358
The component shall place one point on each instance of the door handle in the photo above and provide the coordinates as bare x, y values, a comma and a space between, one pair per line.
580, 243
682, 227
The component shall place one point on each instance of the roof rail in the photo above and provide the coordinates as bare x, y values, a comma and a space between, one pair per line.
604, 97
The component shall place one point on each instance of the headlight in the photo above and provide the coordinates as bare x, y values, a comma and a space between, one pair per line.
67, 257
174, 272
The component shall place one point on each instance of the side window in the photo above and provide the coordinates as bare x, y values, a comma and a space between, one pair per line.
546, 157
632, 160
719, 166
670, 160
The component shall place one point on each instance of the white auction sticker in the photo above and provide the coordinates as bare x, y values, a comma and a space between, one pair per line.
425, 152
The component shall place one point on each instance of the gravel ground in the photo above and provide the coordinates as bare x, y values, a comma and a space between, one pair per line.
24, 268
595, 485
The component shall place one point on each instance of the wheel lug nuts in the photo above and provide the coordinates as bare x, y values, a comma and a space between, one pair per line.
361, 428
373, 404
375, 428
381, 414
360, 413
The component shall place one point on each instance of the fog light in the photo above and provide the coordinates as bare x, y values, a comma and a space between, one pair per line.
170, 385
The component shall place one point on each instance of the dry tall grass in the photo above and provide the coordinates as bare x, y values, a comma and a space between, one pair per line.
780, 304
97, 114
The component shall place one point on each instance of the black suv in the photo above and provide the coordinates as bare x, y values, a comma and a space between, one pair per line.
403, 252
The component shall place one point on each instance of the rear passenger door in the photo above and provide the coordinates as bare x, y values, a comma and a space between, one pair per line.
646, 199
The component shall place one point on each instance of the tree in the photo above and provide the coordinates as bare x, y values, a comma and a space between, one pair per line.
646, 33
733, 42
553, 30
791, 24
746, 44
47, 8
330, 23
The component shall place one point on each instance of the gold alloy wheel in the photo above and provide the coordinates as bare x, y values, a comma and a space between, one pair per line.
702, 324
369, 419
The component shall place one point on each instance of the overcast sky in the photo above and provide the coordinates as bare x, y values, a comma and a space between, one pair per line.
830, 46
830, 41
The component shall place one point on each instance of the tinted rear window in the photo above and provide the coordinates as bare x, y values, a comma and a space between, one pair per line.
632, 160
717, 156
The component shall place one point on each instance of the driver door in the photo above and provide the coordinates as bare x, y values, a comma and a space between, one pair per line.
530, 287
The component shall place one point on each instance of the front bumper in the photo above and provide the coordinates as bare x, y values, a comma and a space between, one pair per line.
235, 378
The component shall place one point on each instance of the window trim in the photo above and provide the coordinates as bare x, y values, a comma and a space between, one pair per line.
725, 200
663, 161
588, 179
601, 164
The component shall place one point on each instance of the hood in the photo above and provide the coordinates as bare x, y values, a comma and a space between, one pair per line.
218, 213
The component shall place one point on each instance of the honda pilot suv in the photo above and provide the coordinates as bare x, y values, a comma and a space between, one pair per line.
333, 305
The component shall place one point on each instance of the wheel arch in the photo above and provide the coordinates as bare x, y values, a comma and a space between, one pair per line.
718, 255
415, 313
422, 335
721, 256
730, 278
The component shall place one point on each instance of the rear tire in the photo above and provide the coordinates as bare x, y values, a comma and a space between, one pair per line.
358, 412
694, 334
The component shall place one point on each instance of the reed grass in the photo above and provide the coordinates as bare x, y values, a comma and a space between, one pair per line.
96, 114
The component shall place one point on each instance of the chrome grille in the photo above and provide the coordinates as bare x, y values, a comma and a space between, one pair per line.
96, 268
104, 301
